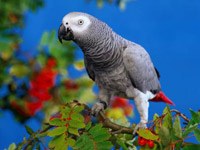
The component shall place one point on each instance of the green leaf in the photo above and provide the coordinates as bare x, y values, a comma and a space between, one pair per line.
189, 129
122, 144
73, 131
95, 139
84, 141
57, 131
88, 126
195, 116
57, 122
76, 124
58, 143
44, 40
106, 145
147, 134
19, 70
29, 130
71, 142
12, 146
43, 134
192, 147
65, 111
155, 116
197, 134
78, 109
78, 117
102, 137
164, 135
167, 120
96, 129
157, 123
177, 127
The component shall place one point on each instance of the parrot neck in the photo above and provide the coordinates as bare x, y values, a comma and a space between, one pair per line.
105, 51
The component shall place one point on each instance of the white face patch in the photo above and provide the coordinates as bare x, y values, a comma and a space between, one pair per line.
77, 23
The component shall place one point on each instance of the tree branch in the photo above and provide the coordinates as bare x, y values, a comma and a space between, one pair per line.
180, 114
115, 127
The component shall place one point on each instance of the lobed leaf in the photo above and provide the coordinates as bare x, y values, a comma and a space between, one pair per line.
95, 130
71, 142
147, 134
106, 145
167, 120
77, 117
57, 131
58, 143
177, 127
102, 137
164, 135
57, 122
76, 124
73, 131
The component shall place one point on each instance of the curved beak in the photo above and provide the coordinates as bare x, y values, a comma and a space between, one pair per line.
61, 32
64, 33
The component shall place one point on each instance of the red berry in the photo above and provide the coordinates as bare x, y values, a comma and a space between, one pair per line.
128, 110
71, 85
142, 141
69, 118
51, 62
119, 102
150, 144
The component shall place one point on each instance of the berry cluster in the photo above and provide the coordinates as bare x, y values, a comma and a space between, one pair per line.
39, 91
143, 142
118, 102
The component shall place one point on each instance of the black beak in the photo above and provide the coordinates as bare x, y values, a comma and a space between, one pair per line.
64, 33
61, 32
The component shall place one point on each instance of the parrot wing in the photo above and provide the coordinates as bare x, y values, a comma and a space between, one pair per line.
89, 69
140, 68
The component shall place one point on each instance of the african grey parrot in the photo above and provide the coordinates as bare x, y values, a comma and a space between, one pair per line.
118, 66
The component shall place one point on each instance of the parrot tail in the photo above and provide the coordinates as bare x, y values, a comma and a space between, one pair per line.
160, 97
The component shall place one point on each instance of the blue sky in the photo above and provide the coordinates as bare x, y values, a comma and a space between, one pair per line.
169, 30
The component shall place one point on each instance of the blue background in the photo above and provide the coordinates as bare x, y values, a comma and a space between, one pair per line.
169, 30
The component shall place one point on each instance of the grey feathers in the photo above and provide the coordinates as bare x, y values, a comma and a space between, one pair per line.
140, 69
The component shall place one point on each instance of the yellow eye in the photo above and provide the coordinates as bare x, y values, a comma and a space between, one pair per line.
80, 22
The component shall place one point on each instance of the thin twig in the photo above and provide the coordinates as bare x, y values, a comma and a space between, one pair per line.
180, 114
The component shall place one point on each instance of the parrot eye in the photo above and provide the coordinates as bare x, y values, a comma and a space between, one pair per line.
80, 22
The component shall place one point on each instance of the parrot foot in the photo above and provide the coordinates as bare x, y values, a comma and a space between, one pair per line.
96, 108
140, 125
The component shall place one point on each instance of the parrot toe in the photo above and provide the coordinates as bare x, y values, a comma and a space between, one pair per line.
97, 108
140, 125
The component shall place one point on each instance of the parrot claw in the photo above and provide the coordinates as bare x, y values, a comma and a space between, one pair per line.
96, 108
140, 125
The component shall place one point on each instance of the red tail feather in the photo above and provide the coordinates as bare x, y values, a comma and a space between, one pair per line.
160, 97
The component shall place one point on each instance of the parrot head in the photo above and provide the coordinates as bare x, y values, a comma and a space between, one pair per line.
80, 27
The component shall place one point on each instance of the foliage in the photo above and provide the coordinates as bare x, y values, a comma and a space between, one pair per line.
70, 127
